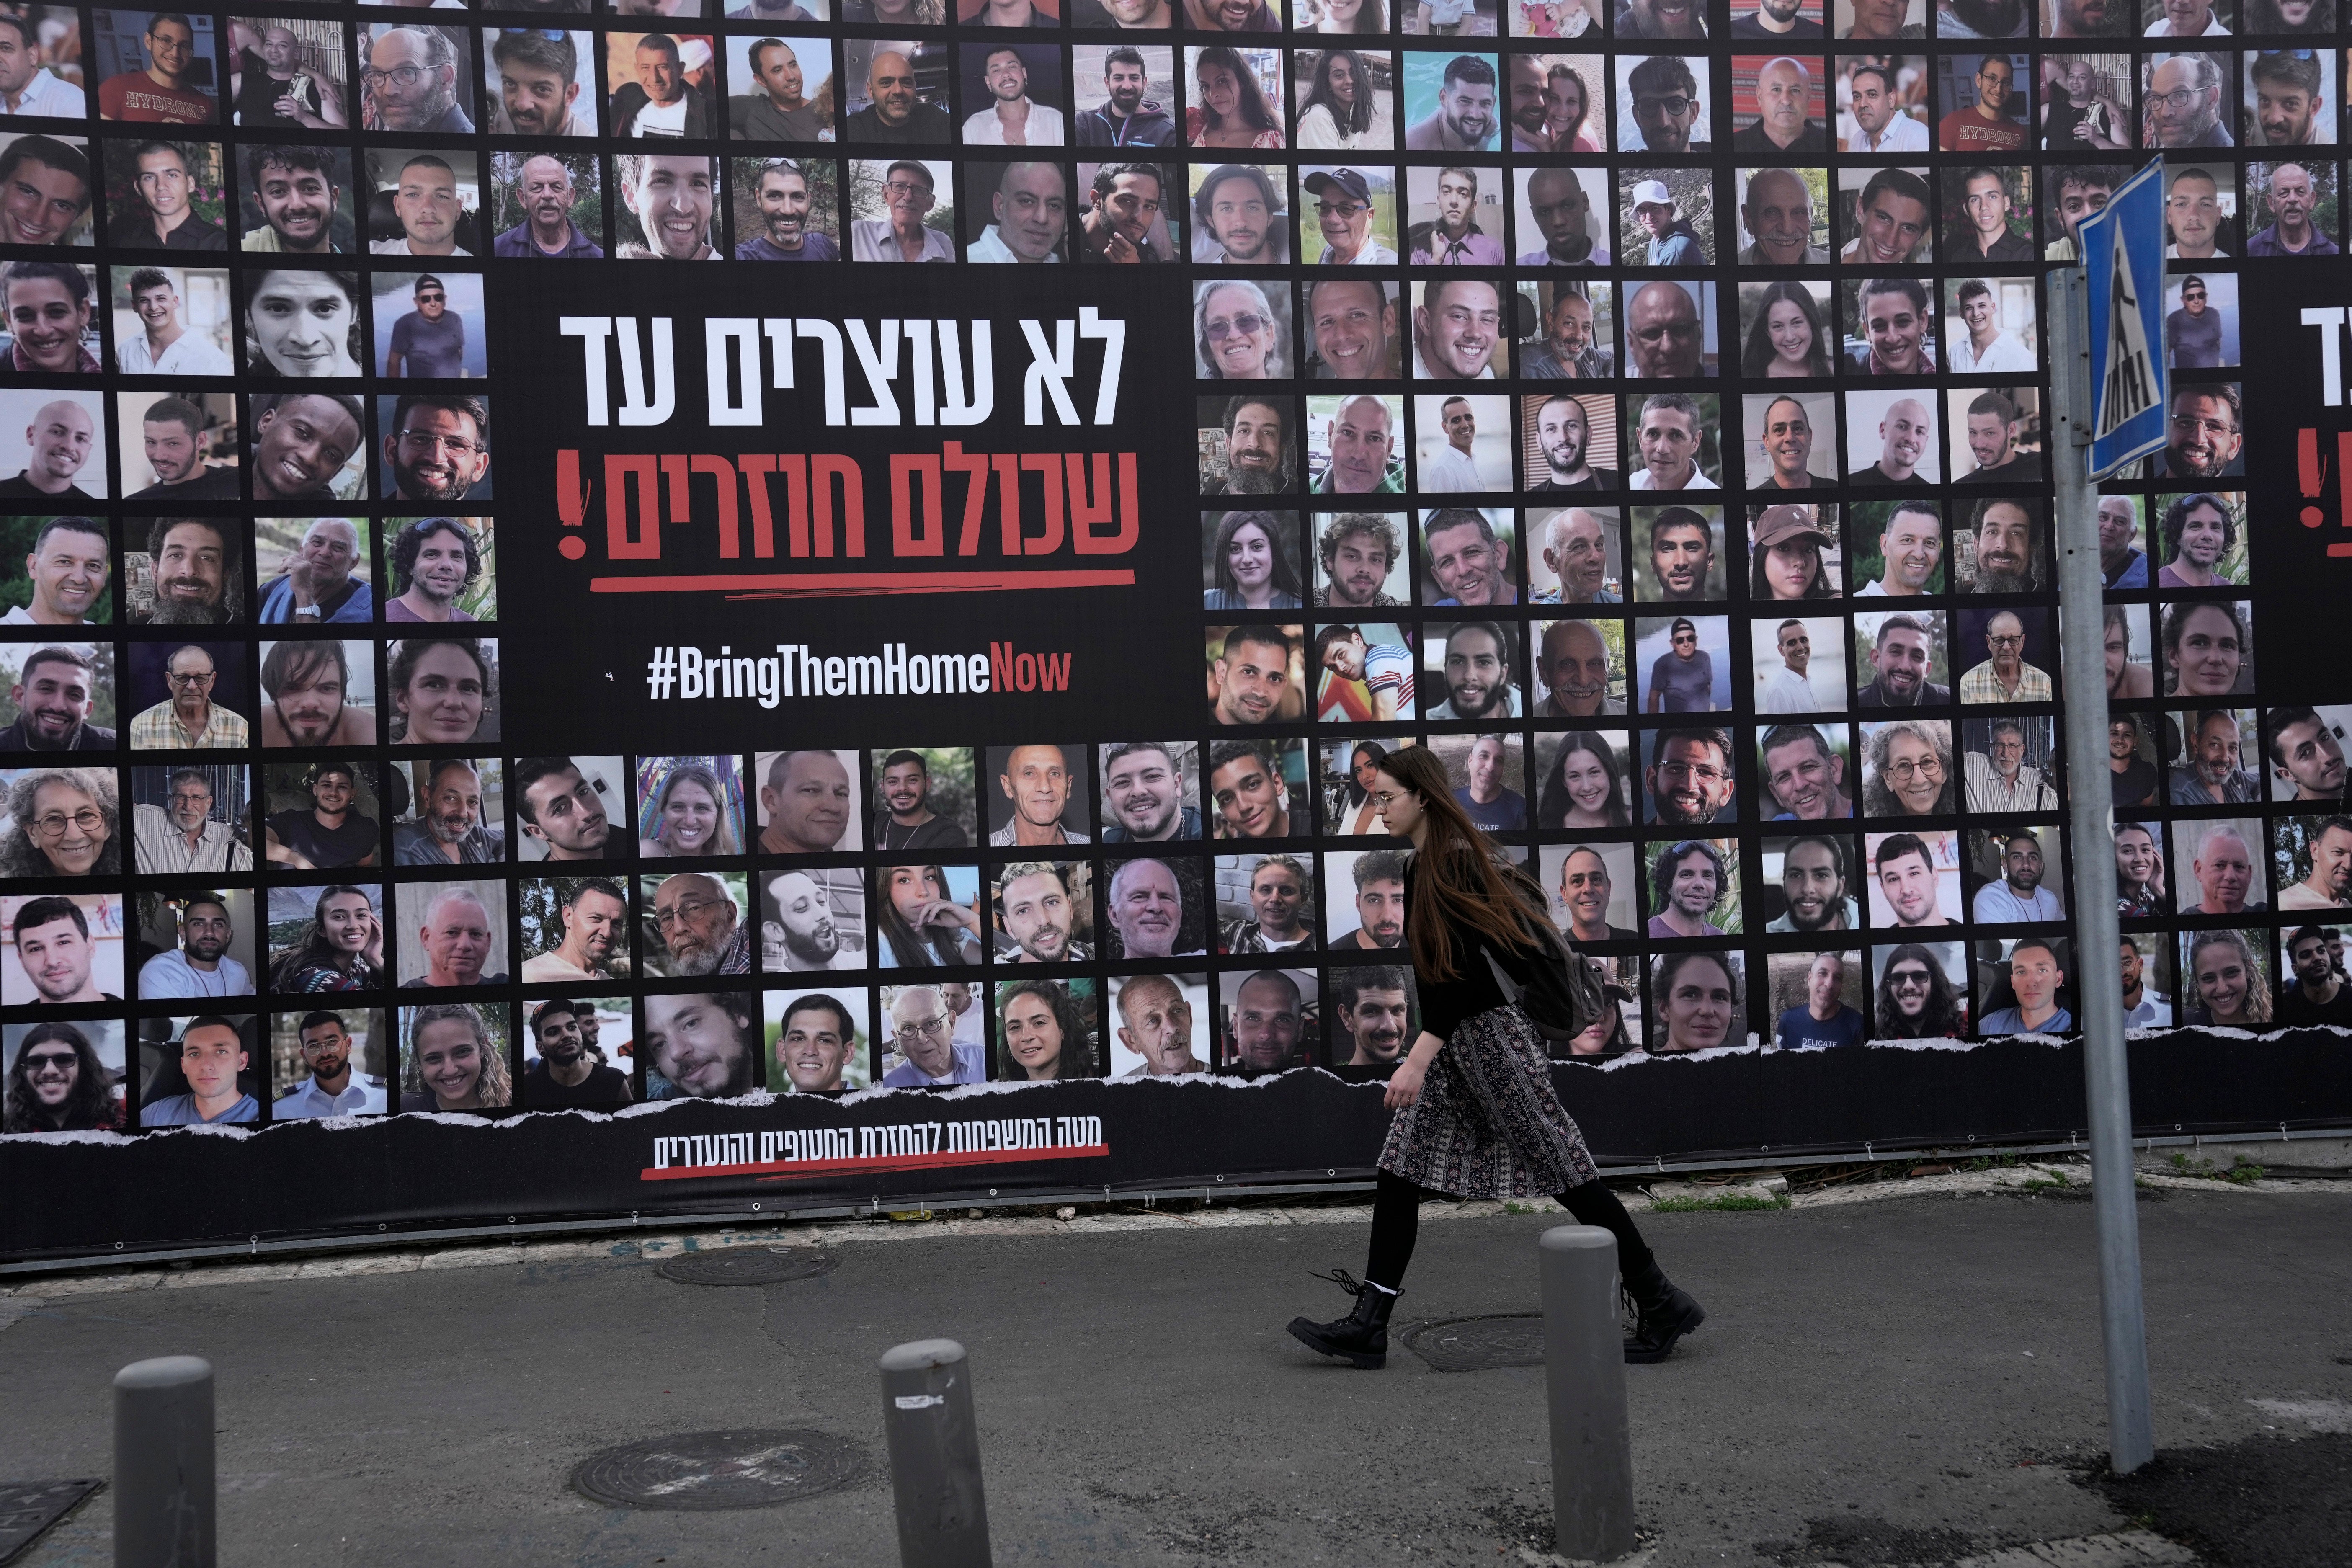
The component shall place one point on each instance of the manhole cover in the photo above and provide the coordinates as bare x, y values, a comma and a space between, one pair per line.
699, 1470
1476, 1344
746, 1266
28, 1507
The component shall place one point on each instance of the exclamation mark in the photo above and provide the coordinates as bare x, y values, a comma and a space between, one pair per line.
2342, 548
572, 502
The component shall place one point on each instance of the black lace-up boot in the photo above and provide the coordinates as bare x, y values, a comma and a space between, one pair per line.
1361, 1338
1665, 1311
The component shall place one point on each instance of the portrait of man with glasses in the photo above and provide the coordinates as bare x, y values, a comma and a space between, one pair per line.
188, 719
922, 1031
436, 448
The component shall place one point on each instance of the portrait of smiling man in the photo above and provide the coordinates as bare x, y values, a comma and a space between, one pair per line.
896, 113
1037, 783
1352, 329
67, 569
816, 1042
55, 697
672, 197
1689, 780
537, 73
165, 344
1776, 213
165, 90
792, 227
47, 308
905, 189
45, 193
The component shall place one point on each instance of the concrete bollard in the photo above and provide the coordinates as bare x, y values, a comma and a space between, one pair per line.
934, 1456
163, 1493
1584, 1375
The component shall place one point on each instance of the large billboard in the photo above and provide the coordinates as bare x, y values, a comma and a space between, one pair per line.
1188, 405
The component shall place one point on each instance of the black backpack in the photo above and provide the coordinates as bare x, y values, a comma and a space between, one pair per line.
1564, 991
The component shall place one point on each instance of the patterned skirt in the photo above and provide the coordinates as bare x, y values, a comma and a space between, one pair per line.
1487, 1125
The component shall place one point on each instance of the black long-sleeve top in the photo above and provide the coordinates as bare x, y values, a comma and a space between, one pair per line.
1444, 1003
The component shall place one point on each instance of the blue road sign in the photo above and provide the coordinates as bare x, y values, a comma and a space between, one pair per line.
2123, 263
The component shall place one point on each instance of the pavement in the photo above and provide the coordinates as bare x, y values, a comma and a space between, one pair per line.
1903, 1373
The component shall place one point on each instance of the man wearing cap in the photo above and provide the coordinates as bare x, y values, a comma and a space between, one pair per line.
1672, 242
1787, 441
1343, 206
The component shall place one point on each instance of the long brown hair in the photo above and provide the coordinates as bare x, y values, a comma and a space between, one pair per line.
1459, 876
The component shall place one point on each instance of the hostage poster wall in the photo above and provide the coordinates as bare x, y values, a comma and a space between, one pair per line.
405, 554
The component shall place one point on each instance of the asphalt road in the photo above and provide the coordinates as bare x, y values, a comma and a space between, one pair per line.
1901, 1381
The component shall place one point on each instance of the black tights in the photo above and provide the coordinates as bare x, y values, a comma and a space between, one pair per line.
1396, 1221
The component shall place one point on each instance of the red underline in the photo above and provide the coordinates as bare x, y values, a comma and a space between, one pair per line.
813, 584
795, 1170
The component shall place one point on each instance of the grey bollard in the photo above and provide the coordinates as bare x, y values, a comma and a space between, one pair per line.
1584, 1375
934, 1456
163, 1492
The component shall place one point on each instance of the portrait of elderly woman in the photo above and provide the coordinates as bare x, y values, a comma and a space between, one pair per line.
57, 1084
1907, 768
1044, 1030
1238, 334
62, 822
455, 1061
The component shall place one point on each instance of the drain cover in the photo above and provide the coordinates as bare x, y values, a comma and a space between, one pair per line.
1476, 1344
28, 1507
705, 1471
746, 1266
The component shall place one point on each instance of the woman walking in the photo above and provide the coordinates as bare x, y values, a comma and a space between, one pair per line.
1476, 1117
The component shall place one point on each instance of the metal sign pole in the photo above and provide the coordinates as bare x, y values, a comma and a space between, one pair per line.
2098, 986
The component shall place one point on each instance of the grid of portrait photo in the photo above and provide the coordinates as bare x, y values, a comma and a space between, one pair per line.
1684, 360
